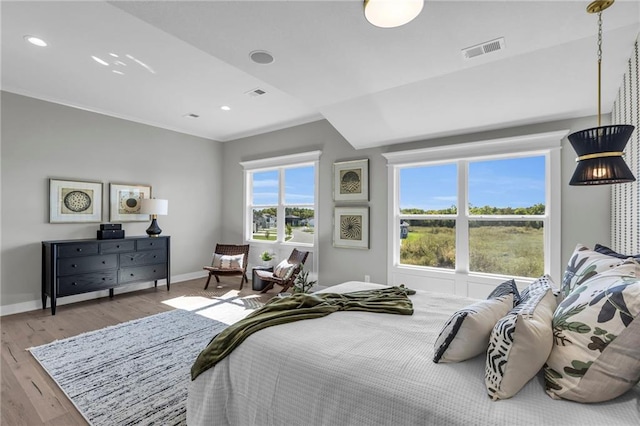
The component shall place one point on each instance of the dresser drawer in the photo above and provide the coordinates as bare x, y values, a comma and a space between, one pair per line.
117, 246
77, 249
151, 243
79, 265
143, 258
142, 273
74, 284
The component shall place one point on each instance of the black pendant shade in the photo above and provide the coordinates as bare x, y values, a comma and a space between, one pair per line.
599, 152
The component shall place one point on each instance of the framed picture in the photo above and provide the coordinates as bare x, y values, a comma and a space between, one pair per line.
125, 200
351, 227
351, 180
74, 201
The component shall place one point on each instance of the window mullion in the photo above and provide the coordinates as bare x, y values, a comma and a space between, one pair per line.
462, 221
281, 208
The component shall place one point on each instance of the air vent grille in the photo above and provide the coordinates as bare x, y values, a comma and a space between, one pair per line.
255, 92
483, 48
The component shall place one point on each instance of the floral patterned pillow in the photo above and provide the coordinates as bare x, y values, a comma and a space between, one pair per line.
584, 264
596, 332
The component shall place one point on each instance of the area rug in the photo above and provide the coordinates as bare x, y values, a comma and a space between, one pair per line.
136, 372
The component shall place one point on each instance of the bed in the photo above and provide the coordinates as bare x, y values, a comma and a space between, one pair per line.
359, 368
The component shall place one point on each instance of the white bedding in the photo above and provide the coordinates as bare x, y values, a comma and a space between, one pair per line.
359, 368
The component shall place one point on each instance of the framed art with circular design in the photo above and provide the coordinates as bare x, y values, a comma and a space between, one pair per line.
74, 201
351, 227
351, 180
125, 200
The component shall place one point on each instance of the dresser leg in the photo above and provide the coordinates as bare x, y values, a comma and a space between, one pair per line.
111, 293
53, 306
44, 301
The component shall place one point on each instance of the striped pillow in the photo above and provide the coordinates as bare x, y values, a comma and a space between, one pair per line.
284, 270
222, 261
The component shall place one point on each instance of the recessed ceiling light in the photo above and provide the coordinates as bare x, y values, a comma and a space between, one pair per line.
225, 108
261, 57
100, 61
35, 41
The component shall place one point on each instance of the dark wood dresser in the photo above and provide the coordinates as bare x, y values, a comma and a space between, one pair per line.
80, 266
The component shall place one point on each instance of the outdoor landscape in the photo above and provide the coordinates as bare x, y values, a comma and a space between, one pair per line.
513, 248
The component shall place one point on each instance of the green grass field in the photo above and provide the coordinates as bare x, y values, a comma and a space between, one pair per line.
506, 250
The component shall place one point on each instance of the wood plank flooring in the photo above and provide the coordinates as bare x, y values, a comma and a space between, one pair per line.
29, 396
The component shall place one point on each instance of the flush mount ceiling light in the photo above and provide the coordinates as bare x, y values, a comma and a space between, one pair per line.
36, 41
600, 148
391, 13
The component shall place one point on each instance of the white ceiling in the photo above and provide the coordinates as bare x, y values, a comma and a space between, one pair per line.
375, 86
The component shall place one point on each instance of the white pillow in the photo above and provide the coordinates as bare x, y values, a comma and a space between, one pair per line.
466, 333
521, 341
222, 261
283, 270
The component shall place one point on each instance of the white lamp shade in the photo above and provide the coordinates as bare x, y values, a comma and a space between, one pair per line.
154, 206
391, 13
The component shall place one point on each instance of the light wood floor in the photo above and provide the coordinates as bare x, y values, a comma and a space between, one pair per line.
29, 395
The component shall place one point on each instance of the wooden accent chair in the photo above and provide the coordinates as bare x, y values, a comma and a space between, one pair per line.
297, 259
229, 259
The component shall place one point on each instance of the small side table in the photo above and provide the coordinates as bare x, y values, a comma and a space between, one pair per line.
256, 282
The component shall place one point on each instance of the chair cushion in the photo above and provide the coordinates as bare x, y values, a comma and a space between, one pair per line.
466, 333
521, 341
222, 261
284, 270
596, 333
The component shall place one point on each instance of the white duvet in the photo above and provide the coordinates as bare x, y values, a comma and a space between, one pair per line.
359, 368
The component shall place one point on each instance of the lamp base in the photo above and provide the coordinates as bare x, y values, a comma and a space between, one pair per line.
154, 230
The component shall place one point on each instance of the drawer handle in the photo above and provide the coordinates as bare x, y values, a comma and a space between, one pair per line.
131, 259
104, 263
79, 249
154, 270
74, 283
118, 246
155, 256
131, 274
74, 266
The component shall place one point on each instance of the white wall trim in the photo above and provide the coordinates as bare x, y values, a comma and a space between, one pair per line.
507, 146
34, 305
282, 161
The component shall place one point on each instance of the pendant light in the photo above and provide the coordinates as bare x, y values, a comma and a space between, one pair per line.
391, 13
600, 148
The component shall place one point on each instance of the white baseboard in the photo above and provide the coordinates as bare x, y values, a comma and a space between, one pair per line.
33, 305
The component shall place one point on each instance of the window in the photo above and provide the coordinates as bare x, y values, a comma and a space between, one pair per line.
463, 212
281, 205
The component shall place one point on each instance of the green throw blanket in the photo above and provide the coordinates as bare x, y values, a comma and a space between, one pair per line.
393, 300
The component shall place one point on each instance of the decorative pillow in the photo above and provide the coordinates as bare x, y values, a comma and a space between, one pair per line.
606, 250
228, 262
283, 270
521, 341
596, 338
466, 333
584, 264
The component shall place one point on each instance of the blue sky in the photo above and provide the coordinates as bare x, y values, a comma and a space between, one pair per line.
517, 182
299, 186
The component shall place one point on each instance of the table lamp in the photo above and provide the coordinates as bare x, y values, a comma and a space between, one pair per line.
154, 207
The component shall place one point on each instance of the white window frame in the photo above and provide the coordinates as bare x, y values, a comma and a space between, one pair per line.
461, 281
280, 247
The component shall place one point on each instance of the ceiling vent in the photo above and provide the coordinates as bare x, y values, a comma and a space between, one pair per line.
191, 115
483, 48
255, 92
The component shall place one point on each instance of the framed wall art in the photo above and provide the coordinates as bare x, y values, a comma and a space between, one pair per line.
74, 201
351, 227
351, 180
125, 200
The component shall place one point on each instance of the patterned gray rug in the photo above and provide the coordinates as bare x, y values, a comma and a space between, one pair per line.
132, 373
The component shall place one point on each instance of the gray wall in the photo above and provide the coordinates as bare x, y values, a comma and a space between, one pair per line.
585, 210
42, 140
203, 182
